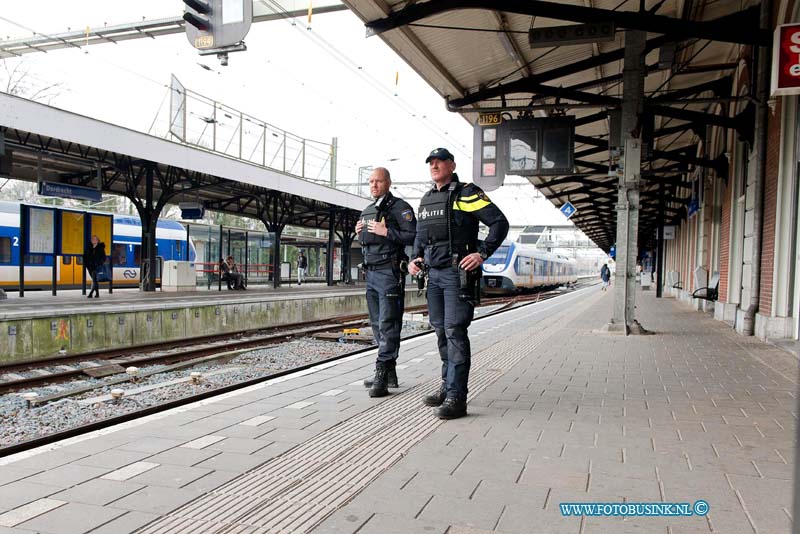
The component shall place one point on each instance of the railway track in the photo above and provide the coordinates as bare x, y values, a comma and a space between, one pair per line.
205, 354
88, 364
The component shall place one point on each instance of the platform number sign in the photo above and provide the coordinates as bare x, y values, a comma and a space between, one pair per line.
568, 209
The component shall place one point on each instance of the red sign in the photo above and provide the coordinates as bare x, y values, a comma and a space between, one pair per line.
786, 60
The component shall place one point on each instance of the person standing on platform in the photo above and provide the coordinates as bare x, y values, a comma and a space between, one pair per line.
302, 265
447, 242
605, 275
385, 228
94, 258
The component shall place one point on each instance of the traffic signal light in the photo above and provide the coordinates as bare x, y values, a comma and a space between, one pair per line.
198, 15
218, 26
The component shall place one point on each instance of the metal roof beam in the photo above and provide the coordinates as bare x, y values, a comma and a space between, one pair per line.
591, 165
721, 87
523, 84
719, 164
575, 179
678, 128
588, 119
743, 123
739, 28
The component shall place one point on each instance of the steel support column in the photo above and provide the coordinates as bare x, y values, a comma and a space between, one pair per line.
624, 319
331, 244
149, 218
660, 246
276, 257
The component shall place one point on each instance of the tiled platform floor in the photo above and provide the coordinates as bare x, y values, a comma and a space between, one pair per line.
558, 414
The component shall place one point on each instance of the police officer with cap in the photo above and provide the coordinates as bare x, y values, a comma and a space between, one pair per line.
385, 228
447, 242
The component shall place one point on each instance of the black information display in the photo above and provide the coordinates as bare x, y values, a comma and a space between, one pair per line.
522, 147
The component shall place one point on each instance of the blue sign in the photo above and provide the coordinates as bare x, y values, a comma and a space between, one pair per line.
568, 209
694, 205
613, 252
52, 189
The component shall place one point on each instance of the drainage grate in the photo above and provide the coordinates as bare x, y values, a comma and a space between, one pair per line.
297, 490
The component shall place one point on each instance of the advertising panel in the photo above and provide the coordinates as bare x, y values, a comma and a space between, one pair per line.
41, 230
786, 60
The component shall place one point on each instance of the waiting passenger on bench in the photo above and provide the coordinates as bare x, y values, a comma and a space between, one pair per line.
231, 274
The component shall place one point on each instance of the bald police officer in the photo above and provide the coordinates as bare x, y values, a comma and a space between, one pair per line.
385, 228
447, 241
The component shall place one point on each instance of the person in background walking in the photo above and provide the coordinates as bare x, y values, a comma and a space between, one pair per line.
605, 275
93, 259
302, 266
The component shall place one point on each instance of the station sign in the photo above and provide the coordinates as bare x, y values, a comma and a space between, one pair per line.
669, 232
786, 60
53, 189
568, 209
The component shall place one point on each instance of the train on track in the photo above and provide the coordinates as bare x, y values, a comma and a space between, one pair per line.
515, 267
124, 252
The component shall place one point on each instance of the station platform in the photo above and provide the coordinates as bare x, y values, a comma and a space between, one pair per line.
43, 303
43, 326
558, 413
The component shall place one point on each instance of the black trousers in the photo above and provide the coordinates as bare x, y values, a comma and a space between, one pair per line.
95, 284
386, 302
450, 317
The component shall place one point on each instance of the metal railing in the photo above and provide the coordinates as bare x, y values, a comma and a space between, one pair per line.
206, 123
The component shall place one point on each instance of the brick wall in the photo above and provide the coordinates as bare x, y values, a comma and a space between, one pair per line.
770, 204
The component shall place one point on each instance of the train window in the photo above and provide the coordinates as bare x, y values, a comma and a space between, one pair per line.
137, 255
34, 259
67, 260
5, 250
499, 257
119, 254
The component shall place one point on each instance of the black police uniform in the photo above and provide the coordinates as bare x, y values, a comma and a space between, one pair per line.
447, 231
385, 261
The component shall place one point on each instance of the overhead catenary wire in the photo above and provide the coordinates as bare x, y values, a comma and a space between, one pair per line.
345, 60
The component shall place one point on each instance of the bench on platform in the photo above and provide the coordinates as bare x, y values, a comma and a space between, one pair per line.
711, 290
673, 280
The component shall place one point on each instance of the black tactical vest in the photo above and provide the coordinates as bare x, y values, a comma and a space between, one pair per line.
435, 216
377, 249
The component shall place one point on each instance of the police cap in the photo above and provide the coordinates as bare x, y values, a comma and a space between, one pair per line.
440, 153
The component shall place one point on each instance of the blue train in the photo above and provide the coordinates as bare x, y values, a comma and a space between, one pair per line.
515, 267
124, 252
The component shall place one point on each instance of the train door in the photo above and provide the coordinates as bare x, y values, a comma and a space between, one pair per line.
70, 270
72, 244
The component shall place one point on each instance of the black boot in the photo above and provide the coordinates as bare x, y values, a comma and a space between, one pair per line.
437, 398
379, 384
391, 379
392, 376
452, 408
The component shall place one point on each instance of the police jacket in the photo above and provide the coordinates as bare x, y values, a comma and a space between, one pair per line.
400, 225
448, 224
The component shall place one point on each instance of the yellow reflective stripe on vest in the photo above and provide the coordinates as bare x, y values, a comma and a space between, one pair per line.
471, 197
470, 206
